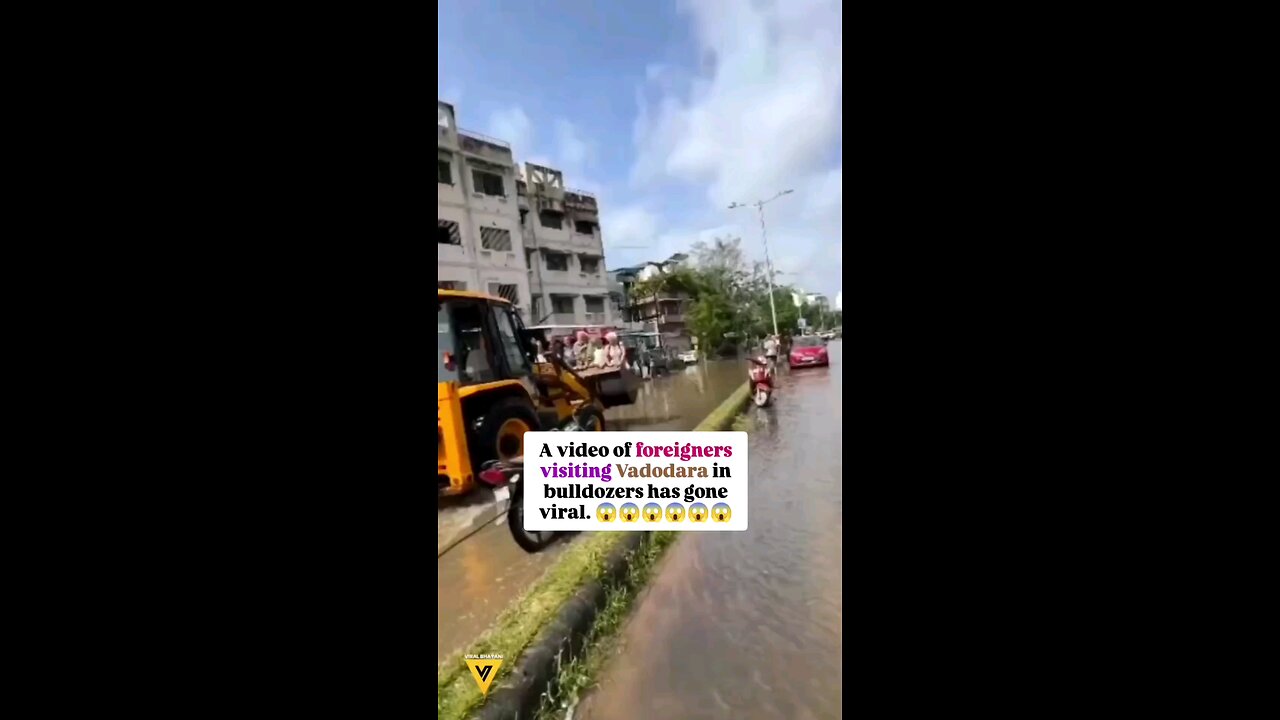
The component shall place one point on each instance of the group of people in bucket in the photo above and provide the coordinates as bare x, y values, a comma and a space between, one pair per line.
586, 351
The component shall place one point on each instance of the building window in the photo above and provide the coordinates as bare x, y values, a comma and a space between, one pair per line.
447, 233
589, 264
562, 304
492, 238
595, 304
444, 174
557, 261
528, 258
488, 183
451, 284
551, 219
584, 227
510, 293
523, 213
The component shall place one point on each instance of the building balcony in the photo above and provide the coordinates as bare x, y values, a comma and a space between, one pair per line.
485, 147
580, 200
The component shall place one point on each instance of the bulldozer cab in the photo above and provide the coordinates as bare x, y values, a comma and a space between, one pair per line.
484, 401
481, 340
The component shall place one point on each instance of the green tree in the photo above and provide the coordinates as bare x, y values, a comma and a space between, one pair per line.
712, 319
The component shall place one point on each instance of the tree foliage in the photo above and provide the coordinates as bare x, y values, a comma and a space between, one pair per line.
729, 297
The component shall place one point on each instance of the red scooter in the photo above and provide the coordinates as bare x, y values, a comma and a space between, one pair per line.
762, 383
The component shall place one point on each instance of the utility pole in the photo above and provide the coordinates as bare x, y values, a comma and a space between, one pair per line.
764, 236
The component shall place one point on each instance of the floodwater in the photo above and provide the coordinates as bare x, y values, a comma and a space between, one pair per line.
749, 624
476, 579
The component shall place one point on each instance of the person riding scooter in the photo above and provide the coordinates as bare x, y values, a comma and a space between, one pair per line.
762, 380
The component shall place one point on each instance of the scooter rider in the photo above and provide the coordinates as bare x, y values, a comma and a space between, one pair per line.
771, 351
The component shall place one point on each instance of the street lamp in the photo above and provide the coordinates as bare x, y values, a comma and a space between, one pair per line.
764, 236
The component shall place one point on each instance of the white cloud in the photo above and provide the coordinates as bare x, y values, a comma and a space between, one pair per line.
512, 125
627, 228
572, 153
761, 114
575, 152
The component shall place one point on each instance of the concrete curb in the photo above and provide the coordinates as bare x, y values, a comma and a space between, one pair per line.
723, 416
562, 640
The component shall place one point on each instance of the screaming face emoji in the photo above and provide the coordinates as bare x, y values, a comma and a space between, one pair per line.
675, 512
605, 512
653, 512
721, 512
629, 512
697, 512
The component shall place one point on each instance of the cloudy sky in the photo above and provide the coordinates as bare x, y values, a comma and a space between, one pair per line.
667, 110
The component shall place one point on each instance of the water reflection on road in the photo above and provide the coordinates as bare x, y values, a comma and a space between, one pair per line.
476, 580
681, 400
749, 624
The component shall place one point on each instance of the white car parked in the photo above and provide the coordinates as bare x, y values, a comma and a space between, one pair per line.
689, 356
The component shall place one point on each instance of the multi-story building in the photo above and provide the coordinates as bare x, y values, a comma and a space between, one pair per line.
563, 251
665, 314
480, 246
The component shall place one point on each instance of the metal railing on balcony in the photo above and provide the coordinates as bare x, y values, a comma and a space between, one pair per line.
484, 138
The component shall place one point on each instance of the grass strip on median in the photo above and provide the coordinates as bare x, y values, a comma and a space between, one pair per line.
577, 675
519, 625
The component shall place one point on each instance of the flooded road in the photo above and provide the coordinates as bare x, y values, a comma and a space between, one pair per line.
748, 625
477, 578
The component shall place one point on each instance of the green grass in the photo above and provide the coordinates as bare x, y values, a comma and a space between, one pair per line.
519, 625
578, 675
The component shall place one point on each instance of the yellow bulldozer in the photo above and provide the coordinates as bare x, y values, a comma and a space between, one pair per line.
493, 388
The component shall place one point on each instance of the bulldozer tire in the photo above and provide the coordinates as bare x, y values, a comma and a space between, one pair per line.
501, 435
591, 419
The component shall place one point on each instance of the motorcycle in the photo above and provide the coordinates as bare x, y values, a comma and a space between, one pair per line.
500, 475
762, 382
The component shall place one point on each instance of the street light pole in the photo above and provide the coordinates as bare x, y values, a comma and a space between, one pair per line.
764, 236
768, 266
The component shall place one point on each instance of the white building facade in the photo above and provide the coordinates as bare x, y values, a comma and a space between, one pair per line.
563, 251
480, 246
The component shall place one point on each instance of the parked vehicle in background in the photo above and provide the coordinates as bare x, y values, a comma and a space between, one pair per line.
807, 351
643, 350
689, 356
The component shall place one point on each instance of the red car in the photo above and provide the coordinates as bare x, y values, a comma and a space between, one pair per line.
808, 351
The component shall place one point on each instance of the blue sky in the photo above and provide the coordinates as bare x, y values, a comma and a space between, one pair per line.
667, 110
